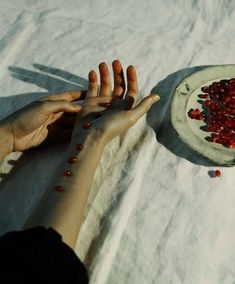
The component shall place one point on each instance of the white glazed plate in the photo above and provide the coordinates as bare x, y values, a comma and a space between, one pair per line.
186, 98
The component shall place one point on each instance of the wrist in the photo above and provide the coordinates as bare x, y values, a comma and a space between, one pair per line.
89, 138
6, 139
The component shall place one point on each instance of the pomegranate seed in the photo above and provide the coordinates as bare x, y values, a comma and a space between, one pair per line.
231, 92
205, 89
201, 116
67, 173
219, 115
191, 113
217, 173
224, 82
72, 160
196, 111
59, 188
208, 102
86, 125
79, 147
231, 144
232, 81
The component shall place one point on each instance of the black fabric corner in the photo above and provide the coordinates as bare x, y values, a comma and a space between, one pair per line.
39, 255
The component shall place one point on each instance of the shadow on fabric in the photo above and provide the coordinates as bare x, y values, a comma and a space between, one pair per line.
53, 80
159, 117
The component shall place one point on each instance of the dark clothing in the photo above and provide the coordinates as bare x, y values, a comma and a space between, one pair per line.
39, 255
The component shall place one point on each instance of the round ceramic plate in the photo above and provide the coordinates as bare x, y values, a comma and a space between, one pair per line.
186, 98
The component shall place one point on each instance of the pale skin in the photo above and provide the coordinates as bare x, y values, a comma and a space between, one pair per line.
64, 211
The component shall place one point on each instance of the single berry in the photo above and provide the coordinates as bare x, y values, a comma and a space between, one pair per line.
67, 173
86, 125
59, 188
72, 160
217, 173
79, 146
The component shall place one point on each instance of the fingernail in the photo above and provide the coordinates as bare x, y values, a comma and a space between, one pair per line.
155, 98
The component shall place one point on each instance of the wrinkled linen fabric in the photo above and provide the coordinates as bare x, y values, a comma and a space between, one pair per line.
154, 214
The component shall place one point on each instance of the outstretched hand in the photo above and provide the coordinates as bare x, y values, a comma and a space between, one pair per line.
112, 112
43, 121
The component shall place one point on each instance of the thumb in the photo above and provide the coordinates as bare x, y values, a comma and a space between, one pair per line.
143, 106
49, 107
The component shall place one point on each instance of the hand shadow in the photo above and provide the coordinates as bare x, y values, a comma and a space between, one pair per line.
53, 80
159, 118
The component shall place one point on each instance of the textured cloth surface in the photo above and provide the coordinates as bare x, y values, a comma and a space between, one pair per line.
154, 214
38, 255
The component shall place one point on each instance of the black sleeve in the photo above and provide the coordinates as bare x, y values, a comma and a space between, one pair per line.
39, 255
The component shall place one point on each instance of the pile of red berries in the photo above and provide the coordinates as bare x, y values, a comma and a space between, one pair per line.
218, 104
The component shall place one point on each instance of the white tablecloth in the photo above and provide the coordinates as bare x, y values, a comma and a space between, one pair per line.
154, 214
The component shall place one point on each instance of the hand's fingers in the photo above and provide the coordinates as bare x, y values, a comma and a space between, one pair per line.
97, 100
91, 110
132, 85
119, 80
93, 84
105, 87
67, 96
49, 107
142, 107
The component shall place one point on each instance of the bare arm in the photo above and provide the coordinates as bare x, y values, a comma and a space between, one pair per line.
5, 140
96, 125
64, 210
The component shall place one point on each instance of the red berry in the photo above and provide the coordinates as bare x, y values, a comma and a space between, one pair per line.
219, 111
232, 81
217, 173
86, 125
59, 188
67, 173
196, 111
208, 102
191, 114
72, 160
79, 146
231, 144
231, 92
205, 89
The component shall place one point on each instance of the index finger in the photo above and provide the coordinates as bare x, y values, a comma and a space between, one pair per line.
67, 96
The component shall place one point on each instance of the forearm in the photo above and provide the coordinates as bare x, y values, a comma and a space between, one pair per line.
64, 211
5, 140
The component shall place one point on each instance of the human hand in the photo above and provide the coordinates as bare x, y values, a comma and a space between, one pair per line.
111, 113
43, 121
